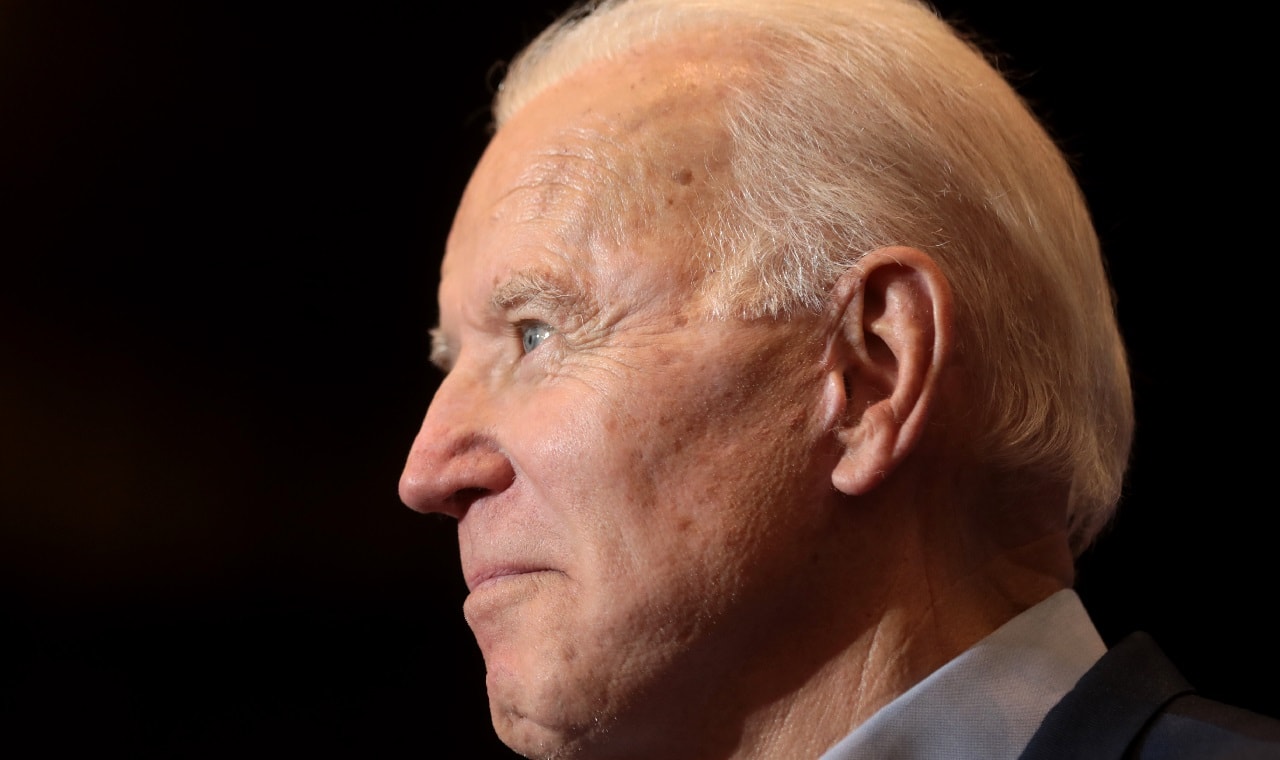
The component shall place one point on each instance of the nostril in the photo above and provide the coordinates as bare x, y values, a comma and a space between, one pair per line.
463, 498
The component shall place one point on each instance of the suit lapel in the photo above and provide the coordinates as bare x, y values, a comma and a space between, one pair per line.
1110, 705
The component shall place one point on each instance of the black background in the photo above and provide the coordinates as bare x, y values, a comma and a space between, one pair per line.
219, 230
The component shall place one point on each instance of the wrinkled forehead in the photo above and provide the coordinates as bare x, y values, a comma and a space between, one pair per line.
621, 151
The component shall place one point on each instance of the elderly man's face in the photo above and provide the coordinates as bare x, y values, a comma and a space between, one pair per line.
634, 479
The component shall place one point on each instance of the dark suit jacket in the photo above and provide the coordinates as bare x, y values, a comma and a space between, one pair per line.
1135, 705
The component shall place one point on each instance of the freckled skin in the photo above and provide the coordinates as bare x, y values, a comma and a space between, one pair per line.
619, 465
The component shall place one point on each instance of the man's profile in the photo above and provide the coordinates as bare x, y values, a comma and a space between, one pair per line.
783, 388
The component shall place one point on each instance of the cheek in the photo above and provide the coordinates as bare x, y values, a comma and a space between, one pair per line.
595, 469
662, 477
698, 461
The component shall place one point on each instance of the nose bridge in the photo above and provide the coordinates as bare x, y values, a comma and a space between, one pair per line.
456, 457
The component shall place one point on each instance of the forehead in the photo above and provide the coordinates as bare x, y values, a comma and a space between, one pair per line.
619, 163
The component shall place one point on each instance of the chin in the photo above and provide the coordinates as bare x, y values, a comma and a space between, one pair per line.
544, 709
534, 731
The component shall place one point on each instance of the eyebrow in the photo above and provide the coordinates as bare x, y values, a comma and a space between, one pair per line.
441, 351
543, 290
537, 288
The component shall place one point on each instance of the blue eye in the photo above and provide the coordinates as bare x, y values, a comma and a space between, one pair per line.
532, 335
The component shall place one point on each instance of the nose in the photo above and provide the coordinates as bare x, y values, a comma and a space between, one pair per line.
456, 458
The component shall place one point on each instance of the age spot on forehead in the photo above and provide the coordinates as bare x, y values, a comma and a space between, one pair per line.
683, 176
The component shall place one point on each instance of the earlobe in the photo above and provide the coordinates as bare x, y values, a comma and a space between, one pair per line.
892, 339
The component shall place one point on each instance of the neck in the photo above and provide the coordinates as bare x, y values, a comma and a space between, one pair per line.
887, 588
914, 580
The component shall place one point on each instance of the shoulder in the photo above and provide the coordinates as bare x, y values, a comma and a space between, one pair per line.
1135, 705
1191, 726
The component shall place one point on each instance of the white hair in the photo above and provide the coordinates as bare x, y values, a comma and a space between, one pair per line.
874, 123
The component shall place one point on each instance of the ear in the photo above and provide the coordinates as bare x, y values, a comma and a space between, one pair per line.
892, 317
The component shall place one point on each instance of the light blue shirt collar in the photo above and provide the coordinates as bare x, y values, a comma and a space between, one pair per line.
986, 703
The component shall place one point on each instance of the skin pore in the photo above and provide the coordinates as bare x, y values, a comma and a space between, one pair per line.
686, 536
